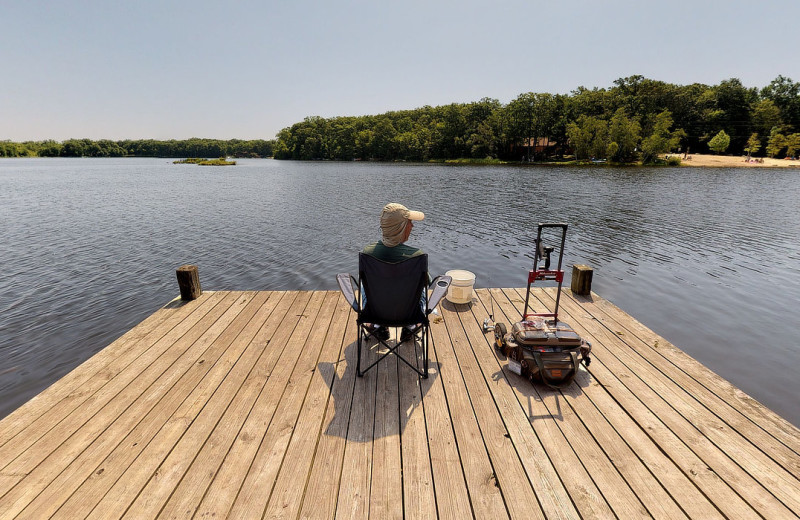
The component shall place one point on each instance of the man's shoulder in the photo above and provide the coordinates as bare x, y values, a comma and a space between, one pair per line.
370, 249
409, 251
397, 253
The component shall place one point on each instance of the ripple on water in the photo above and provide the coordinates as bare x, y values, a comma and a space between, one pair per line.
90, 248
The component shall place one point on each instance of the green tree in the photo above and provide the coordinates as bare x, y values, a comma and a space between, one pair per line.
753, 145
733, 101
662, 140
8, 149
579, 139
776, 142
792, 144
49, 149
720, 142
626, 133
521, 124
595, 102
766, 115
589, 137
481, 131
785, 93
687, 107
612, 149
72, 148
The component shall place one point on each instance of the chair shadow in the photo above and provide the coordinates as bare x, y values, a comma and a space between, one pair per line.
541, 401
362, 411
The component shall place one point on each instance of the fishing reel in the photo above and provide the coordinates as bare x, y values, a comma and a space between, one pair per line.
543, 252
488, 325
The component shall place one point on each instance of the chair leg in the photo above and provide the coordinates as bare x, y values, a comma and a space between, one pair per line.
358, 349
425, 343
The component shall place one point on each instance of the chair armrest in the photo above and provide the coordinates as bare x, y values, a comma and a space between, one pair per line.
348, 284
439, 285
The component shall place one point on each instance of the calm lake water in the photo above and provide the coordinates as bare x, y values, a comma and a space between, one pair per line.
708, 258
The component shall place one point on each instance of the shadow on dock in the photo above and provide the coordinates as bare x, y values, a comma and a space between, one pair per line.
382, 402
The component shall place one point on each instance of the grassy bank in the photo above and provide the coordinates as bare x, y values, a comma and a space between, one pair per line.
206, 162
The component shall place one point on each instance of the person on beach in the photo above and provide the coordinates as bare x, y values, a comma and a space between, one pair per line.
397, 221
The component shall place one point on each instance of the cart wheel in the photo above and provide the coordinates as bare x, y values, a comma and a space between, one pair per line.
526, 369
499, 336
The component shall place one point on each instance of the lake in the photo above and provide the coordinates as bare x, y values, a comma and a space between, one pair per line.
707, 258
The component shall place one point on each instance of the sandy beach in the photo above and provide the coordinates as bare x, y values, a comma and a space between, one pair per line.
728, 161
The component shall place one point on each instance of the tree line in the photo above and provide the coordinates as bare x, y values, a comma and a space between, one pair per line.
194, 147
635, 119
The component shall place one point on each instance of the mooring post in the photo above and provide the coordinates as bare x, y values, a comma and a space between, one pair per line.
189, 282
581, 279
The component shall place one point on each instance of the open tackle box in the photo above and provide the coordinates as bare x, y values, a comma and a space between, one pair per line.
540, 347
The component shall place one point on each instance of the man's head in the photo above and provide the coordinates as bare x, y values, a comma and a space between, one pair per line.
396, 223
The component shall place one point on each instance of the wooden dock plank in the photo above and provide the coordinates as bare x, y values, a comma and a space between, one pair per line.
541, 475
618, 493
287, 495
679, 487
291, 372
84, 382
419, 501
356, 475
322, 488
260, 480
451, 494
196, 457
625, 444
106, 472
246, 404
553, 496
668, 404
195, 377
485, 496
60, 398
109, 470
386, 492
509, 473
78, 471
643, 428
277, 334
742, 403
582, 489
719, 399
61, 445
774, 479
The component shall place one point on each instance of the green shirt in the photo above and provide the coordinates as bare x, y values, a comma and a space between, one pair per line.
394, 254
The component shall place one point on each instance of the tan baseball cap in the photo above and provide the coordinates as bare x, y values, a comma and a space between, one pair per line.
393, 222
393, 213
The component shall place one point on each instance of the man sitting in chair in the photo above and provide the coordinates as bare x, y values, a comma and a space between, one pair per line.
392, 290
397, 221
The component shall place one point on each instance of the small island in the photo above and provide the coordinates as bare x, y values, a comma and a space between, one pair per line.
222, 161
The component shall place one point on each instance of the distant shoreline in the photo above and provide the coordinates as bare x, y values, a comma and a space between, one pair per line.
693, 160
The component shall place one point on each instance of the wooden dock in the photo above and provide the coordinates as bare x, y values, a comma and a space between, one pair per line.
246, 405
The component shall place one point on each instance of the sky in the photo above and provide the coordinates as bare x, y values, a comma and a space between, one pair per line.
246, 69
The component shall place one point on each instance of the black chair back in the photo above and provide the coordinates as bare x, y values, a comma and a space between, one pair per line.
393, 290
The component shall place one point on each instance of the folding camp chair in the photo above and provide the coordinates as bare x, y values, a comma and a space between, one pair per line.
392, 295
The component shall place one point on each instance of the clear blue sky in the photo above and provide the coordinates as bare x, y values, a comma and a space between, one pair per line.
245, 69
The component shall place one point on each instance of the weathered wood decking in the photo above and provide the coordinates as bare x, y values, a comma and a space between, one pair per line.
246, 404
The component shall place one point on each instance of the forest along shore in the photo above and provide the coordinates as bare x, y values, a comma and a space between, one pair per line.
728, 161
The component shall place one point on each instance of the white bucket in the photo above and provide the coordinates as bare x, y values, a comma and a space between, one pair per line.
460, 290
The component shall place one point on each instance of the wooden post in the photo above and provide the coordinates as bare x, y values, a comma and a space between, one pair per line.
581, 279
189, 282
